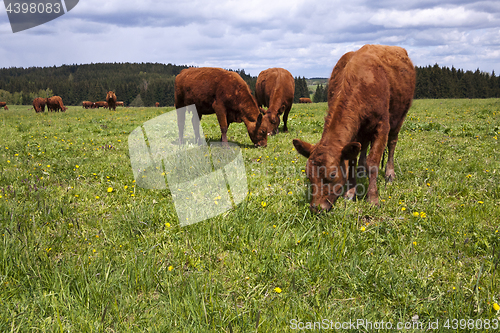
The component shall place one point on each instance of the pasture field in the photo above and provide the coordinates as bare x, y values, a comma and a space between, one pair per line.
82, 249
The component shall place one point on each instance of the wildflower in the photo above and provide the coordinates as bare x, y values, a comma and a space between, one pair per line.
97, 197
263, 203
110, 189
167, 225
77, 166
403, 209
125, 187
48, 166
362, 228
423, 215
274, 225
416, 214
8, 161
170, 268
94, 250
277, 290
480, 202
496, 307
414, 243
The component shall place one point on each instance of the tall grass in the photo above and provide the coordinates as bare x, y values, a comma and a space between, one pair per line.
82, 249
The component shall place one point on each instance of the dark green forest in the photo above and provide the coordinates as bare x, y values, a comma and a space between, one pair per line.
145, 84
442, 82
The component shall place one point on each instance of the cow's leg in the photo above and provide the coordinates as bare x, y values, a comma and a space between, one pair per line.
373, 161
389, 168
196, 127
351, 180
285, 119
361, 170
220, 111
181, 119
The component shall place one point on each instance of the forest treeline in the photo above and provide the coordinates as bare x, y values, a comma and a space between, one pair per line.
442, 82
145, 84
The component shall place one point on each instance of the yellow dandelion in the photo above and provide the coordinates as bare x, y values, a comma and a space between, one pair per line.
416, 214
423, 215
97, 197
110, 189
480, 202
414, 243
125, 187
277, 290
48, 165
362, 228
77, 166
263, 203
274, 225
403, 209
496, 307
170, 268
167, 225
8, 161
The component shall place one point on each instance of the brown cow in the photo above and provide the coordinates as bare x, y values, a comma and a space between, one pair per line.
215, 90
87, 104
111, 100
2, 104
5, 108
39, 104
157, 104
55, 103
100, 104
119, 103
369, 94
274, 89
305, 100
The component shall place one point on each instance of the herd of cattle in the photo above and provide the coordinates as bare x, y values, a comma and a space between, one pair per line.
369, 94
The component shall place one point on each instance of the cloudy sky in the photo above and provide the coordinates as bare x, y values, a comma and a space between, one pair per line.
305, 37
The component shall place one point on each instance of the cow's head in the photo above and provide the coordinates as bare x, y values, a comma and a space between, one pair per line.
274, 119
327, 170
258, 134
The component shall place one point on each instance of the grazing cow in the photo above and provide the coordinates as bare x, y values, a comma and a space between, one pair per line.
119, 103
369, 94
305, 100
215, 90
274, 89
87, 104
100, 104
2, 104
5, 108
157, 104
111, 100
55, 103
39, 104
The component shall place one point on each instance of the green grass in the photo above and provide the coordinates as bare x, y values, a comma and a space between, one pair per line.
77, 258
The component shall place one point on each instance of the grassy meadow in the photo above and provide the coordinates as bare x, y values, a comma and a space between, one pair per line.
82, 249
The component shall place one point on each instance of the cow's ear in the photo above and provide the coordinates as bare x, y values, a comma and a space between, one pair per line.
351, 151
303, 147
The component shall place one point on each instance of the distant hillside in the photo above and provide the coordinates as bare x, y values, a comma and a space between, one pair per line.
145, 84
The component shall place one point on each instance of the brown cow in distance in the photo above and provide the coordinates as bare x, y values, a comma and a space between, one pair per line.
111, 100
2, 104
87, 104
39, 104
5, 108
215, 90
119, 103
369, 94
55, 103
305, 100
157, 104
274, 90
100, 104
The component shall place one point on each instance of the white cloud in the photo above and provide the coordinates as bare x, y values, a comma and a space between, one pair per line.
305, 37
